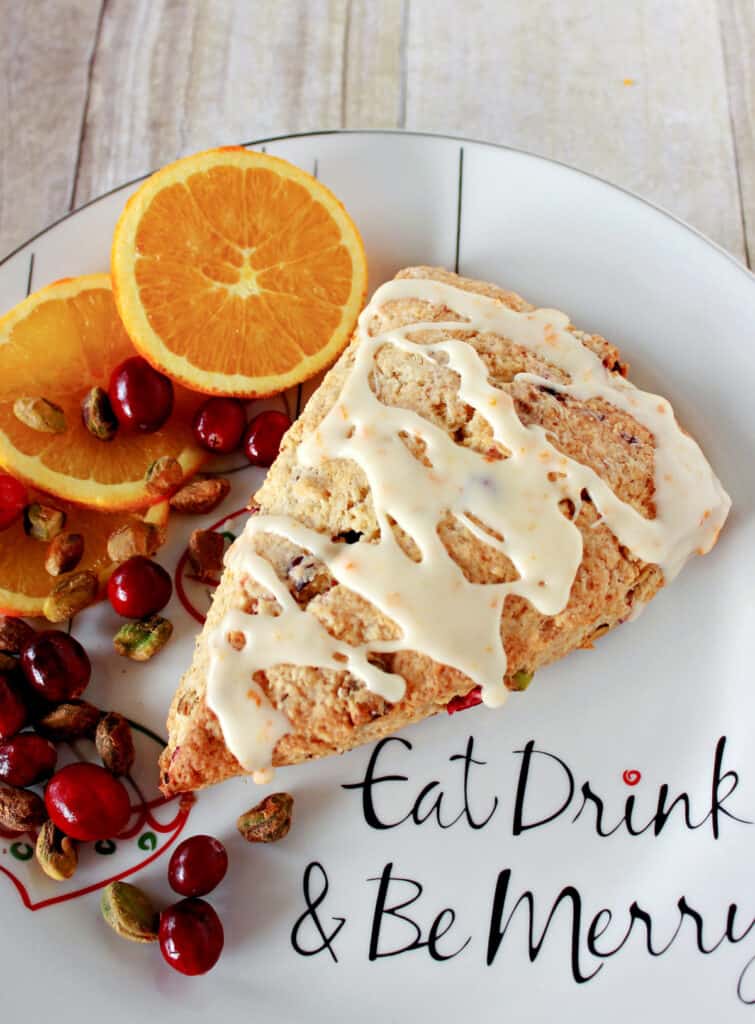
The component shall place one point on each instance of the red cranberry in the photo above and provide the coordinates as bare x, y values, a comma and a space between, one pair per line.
139, 587
87, 802
463, 701
197, 866
26, 759
263, 437
56, 665
191, 936
219, 425
13, 500
14, 712
141, 397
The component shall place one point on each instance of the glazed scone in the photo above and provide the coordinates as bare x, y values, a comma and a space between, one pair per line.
456, 507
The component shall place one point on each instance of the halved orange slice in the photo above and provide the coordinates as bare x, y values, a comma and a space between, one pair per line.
237, 273
24, 581
56, 345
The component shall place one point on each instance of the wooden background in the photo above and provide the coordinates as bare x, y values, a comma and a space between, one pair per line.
655, 95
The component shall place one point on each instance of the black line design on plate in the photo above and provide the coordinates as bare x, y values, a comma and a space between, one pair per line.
30, 275
147, 732
263, 149
287, 404
458, 208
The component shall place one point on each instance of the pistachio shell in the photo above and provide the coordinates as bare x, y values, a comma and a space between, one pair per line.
43, 522
56, 853
141, 640
98, 416
206, 550
20, 809
115, 744
269, 820
72, 594
41, 415
72, 720
201, 495
164, 475
136, 538
64, 553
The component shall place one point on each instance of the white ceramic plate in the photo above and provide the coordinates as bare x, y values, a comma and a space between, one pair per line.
637, 720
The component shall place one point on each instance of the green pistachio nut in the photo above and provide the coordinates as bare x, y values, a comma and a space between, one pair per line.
269, 820
141, 640
130, 912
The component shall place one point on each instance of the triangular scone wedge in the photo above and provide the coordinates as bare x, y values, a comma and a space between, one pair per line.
330, 710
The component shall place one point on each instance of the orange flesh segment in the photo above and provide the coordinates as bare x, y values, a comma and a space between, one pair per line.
69, 340
24, 581
237, 272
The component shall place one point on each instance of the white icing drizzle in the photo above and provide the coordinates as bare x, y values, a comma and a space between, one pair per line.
438, 611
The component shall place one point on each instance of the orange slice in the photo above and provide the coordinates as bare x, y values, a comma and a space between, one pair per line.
24, 581
237, 273
56, 345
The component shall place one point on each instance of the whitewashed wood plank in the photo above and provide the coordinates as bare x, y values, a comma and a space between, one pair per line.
634, 92
43, 86
738, 31
372, 95
172, 78
169, 79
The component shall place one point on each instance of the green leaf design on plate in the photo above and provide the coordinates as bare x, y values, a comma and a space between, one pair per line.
147, 841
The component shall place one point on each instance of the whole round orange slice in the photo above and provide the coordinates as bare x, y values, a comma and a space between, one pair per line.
24, 581
237, 273
56, 345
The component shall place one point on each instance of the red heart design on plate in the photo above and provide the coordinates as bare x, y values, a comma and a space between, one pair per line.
134, 849
631, 776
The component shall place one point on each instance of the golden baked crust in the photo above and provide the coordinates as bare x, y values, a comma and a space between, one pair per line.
332, 711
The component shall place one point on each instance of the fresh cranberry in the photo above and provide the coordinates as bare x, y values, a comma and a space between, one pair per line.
26, 759
86, 802
14, 712
13, 500
263, 437
191, 936
56, 665
219, 425
139, 587
141, 397
197, 866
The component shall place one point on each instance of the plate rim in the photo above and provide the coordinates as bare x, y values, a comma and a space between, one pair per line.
679, 221
517, 987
